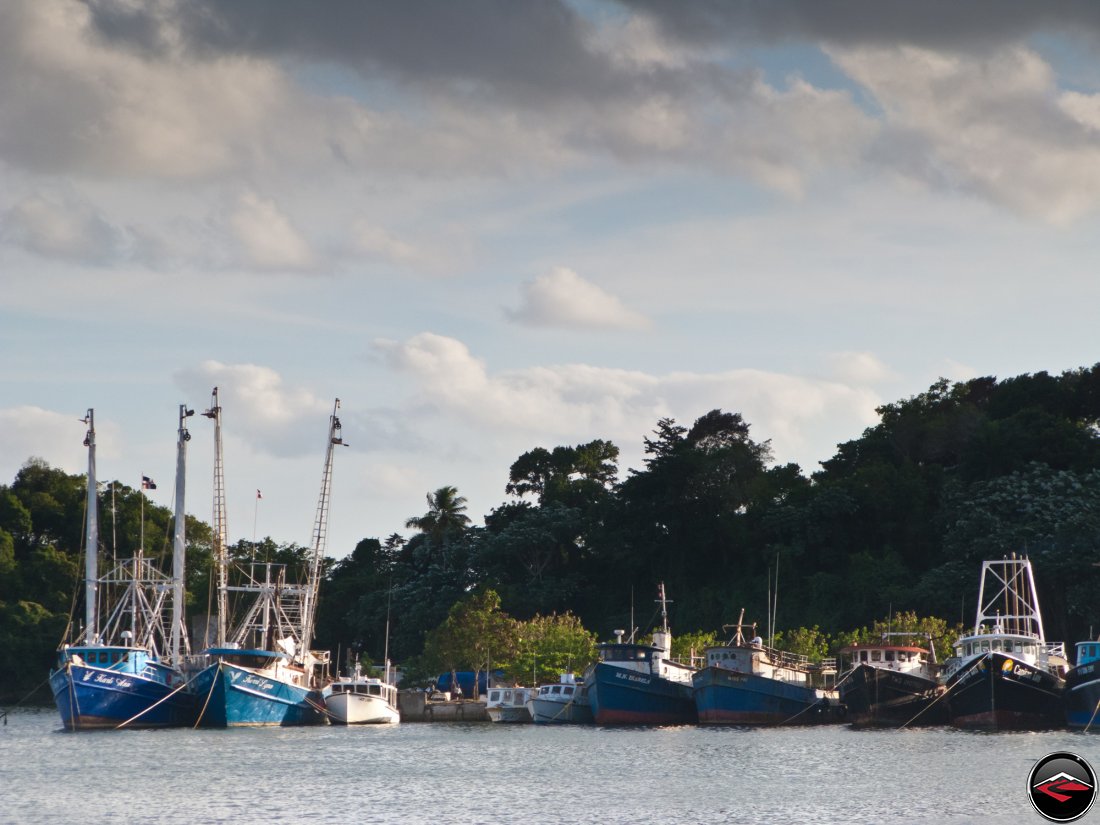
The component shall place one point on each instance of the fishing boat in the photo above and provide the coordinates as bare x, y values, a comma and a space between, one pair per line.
892, 683
745, 682
123, 668
639, 684
564, 703
1004, 674
508, 704
262, 672
1082, 691
362, 700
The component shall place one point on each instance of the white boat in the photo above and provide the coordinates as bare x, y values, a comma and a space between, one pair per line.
509, 704
362, 700
563, 703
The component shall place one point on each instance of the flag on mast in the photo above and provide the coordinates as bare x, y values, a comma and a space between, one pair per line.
259, 495
148, 483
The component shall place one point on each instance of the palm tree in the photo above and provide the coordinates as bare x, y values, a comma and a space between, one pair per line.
446, 515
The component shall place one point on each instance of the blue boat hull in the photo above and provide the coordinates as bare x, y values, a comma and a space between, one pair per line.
726, 697
619, 696
232, 696
90, 698
1082, 697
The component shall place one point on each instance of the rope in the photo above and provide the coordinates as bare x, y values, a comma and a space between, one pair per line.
1091, 718
958, 681
159, 701
213, 684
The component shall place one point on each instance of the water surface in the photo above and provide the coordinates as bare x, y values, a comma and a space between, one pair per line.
452, 774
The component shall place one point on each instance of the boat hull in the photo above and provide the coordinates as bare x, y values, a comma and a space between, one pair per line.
233, 696
626, 697
726, 697
516, 715
880, 696
1003, 693
354, 709
1082, 697
90, 698
547, 712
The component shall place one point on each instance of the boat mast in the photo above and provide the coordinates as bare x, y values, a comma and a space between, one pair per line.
320, 530
179, 539
220, 531
91, 553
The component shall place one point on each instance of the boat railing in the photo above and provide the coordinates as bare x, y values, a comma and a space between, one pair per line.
783, 658
1055, 649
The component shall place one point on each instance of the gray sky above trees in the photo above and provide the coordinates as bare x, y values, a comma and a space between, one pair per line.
489, 226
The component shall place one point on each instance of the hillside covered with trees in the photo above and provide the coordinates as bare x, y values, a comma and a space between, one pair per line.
897, 521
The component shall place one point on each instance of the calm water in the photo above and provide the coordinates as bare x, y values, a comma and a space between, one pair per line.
453, 774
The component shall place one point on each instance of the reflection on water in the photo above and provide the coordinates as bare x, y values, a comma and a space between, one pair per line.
454, 774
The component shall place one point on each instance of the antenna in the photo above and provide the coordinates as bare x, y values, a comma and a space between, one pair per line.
320, 529
220, 530
91, 553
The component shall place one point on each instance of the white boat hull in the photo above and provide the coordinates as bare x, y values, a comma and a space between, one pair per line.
356, 709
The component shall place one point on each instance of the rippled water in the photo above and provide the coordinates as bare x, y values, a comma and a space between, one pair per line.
454, 774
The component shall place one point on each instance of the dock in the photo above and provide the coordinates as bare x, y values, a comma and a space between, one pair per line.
415, 707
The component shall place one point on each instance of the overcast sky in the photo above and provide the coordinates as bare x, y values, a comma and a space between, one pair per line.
492, 225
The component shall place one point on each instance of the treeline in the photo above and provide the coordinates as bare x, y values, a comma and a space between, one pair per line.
897, 521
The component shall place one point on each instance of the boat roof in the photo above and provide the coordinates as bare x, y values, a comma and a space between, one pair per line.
626, 645
244, 651
896, 648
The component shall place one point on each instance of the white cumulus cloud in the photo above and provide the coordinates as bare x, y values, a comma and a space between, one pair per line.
565, 299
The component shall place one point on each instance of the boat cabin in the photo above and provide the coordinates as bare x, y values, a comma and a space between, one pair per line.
1087, 652
629, 656
564, 692
1023, 647
902, 658
759, 660
366, 687
508, 697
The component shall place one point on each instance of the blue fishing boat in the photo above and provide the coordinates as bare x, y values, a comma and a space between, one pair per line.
261, 671
1082, 691
639, 684
747, 683
124, 671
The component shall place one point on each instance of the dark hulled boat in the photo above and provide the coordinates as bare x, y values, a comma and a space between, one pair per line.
1005, 675
891, 684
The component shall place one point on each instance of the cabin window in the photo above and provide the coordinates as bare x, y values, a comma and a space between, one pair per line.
725, 655
375, 690
984, 647
494, 696
863, 655
556, 689
507, 696
889, 655
876, 655
568, 691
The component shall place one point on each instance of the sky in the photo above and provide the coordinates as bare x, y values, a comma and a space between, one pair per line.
489, 226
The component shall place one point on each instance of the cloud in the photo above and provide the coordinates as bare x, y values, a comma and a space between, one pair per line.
804, 417
66, 229
932, 23
992, 124
860, 368
258, 408
29, 431
565, 299
266, 236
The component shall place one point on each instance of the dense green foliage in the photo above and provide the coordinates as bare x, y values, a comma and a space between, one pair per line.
896, 522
